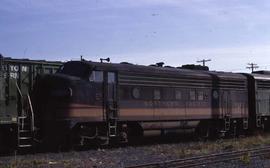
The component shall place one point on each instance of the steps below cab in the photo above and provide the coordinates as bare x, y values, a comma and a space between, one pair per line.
25, 134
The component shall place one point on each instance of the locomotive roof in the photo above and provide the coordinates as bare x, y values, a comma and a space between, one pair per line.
260, 76
140, 69
227, 75
126, 67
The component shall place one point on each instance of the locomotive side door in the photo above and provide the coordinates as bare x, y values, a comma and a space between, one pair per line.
226, 104
110, 102
226, 108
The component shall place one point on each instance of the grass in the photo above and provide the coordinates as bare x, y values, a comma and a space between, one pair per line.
161, 151
200, 148
245, 158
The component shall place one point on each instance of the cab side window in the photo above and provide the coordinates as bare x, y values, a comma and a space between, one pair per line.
96, 76
136, 93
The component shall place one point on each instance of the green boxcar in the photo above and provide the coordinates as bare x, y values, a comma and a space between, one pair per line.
17, 77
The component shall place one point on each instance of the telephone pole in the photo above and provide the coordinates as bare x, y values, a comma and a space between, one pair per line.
204, 61
252, 66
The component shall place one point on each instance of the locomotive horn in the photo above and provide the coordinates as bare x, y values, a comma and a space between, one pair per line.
160, 64
82, 59
104, 59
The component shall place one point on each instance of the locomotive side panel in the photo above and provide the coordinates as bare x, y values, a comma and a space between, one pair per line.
233, 104
198, 105
231, 93
263, 97
262, 101
259, 98
144, 97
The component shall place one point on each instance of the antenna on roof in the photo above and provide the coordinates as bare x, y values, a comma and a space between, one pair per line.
104, 59
82, 59
160, 64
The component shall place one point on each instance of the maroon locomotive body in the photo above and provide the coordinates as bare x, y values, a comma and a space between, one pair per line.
88, 101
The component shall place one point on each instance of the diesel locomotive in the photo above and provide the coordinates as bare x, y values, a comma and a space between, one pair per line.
86, 102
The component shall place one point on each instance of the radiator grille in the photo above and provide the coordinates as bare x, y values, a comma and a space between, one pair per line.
263, 84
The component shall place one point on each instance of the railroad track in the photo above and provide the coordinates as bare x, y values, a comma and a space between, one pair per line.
208, 159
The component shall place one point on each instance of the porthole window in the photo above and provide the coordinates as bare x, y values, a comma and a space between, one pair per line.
156, 94
136, 93
215, 94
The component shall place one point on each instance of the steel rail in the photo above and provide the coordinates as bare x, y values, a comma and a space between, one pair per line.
207, 159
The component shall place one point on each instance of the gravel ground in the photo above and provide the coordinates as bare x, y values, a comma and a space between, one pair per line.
253, 163
132, 155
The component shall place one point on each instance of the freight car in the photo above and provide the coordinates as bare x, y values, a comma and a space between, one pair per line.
17, 77
89, 102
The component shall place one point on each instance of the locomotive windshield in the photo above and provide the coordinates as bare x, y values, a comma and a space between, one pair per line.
77, 69
96, 76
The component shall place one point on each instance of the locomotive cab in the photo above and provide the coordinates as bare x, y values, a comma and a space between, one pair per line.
102, 84
78, 101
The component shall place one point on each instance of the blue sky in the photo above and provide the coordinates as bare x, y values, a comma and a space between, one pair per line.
231, 33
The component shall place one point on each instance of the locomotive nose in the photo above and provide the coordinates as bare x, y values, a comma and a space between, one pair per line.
50, 93
53, 86
58, 87
63, 97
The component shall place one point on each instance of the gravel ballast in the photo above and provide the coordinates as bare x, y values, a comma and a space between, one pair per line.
132, 155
